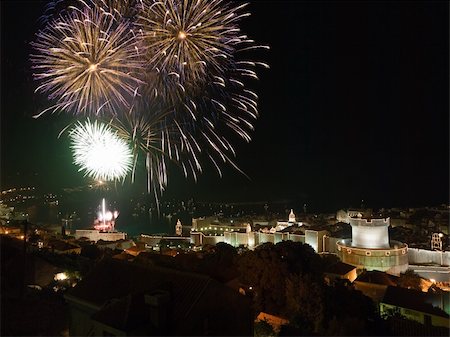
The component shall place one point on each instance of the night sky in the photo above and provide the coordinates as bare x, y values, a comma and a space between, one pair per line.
355, 106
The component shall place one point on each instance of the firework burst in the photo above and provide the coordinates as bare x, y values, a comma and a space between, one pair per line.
100, 152
172, 77
189, 44
86, 61
195, 57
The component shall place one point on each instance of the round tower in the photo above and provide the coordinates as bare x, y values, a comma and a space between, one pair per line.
369, 247
370, 233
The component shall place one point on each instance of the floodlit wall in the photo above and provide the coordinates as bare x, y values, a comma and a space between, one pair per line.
250, 240
392, 260
95, 235
266, 237
213, 240
316, 239
297, 238
312, 239
370, 233
253, 239
421, 256
236, 239
153, 240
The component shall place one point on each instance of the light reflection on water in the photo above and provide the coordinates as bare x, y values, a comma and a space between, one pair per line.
83, 219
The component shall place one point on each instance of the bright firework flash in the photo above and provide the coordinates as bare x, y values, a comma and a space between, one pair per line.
194, 51
87, 61
174, 84
100, 152
106, 220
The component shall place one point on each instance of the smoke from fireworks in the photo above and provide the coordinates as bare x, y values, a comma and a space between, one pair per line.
100, 152
86, 61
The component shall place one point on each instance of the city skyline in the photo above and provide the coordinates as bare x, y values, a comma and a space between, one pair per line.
354, 107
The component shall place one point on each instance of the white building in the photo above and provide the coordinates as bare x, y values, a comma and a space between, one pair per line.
96, 235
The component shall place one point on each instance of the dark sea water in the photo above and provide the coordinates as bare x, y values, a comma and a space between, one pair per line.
83, 218
134, 226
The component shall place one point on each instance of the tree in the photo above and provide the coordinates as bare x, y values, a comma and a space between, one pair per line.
263, 329
300, 258
305, 301
265, 272
359, 314
268, 267
224, 255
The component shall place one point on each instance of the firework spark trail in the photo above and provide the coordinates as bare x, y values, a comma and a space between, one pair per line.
129, 60
189, 43
100, 152
87, 62
194, 56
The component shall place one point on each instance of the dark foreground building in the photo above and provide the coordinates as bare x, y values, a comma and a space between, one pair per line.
119, 298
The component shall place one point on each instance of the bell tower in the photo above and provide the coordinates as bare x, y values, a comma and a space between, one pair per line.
292, 216
178, 228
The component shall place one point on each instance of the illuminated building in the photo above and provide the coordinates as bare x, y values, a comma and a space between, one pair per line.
214, 225
104, 227
284, 224
205, 232
370, 247
96, 235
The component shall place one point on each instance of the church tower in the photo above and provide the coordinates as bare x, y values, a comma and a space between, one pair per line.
292, 216
178, 228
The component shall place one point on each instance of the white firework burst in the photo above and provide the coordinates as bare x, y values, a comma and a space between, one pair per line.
100, 152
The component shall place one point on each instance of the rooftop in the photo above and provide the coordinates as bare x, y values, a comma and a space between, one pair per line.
377, 277
412, 299
340, 268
